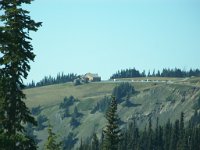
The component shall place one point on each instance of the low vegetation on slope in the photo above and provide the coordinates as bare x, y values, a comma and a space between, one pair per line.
86, 106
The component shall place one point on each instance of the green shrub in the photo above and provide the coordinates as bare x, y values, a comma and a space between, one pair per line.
123, 90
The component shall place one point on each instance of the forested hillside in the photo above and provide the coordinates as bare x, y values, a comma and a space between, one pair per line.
77, 113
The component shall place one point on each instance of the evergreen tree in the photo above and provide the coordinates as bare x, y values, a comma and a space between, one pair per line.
51, 143
112, 133
175, 136
144, 140
95, 142
123, 90
124, 143
182, 143
66, 112
156, 136
132, 136
127, 73
168, 137
81, 145
74, 122
182, 126
40, 120
150, 136
30, 132
16, 52
176, 72
153, 74
76, 114
158, 74
69, 141
143, 73
160, 139
195, 139
149, 74
167, 133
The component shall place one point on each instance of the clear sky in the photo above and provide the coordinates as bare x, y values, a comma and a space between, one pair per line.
103, 36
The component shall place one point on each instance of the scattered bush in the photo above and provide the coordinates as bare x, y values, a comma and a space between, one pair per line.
77, 82
40, 120
76, 113
67, 102
122, 90
66, 112
74, 122
36, 110
128, 103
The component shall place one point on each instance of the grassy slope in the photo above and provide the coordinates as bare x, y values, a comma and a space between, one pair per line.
150, 101
54, 94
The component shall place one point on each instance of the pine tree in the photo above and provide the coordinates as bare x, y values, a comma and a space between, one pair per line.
95, 142
182, 143
124, 143
81, 145
132, 136
160, 139
156, 136
76, 113
182, 130
69, 141
51, 143
150, 136
112, 133
175, 136
16, 52
167, 133
30, 132
144, 139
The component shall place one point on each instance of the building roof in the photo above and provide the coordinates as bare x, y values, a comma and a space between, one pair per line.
92, 75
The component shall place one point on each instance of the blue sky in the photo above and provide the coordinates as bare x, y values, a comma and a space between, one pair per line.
103, 36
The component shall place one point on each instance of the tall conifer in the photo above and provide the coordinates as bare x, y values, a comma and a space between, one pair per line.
15, 54
95, 142
112, 133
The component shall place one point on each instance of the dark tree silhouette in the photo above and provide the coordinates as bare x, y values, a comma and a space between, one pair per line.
112, 132
16, 52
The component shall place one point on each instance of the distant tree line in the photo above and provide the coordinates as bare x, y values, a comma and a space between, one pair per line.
176, 72
127, 73
49, 80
